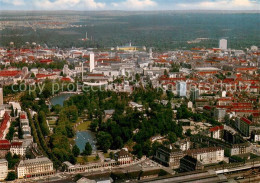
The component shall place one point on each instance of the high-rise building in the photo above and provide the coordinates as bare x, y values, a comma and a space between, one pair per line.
92, 62
194, 95
3, 169
219, 114
223, 44
181, 89
1, 96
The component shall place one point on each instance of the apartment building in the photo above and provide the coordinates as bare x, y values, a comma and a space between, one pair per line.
3, 169
168, 156
207, 155
35, 167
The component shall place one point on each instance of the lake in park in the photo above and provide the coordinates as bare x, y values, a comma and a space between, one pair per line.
83, 137
59, 99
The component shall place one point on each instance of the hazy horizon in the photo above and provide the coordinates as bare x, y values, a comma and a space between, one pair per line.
130, 5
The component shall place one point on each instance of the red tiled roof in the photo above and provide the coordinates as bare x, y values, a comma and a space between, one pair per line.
5, 145
44, 75
23, 116
4, 124
6, 73
246, 120
66, 79
247, 69
216, 128
207, 107
225, 99
16, 144
46, 61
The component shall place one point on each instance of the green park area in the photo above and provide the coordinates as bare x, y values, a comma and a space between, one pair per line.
83, 126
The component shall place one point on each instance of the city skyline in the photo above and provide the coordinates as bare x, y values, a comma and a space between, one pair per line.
129, 5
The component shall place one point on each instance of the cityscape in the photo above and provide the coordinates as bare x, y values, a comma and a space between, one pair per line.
139, 94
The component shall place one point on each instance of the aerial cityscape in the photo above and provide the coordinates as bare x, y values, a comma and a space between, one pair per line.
129, 91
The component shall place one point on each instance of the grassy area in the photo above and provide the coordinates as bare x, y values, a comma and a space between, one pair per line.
106, 155
85, 159
83, 126
52, 122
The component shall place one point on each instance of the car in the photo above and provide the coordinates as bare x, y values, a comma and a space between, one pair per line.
239, 178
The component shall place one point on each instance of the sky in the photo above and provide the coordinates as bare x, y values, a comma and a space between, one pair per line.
130, 5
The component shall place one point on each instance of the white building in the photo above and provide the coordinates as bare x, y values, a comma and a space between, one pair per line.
223, 44
18, 148
184, 144
215, 132
35, 167
16, 106
3, 169
91, 62
181, 89
66, 70
207, 155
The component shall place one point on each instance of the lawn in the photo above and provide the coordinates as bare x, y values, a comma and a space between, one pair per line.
106, 155
83, 126
52, 122
88, 159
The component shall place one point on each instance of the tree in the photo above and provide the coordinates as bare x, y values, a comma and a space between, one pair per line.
43, 123
75, 151
12, 160
93, 126
172, 137
118, 143
104, 140
137, 77
12, 111
188, 132
111, 155
138, 150
88, 149
11, 176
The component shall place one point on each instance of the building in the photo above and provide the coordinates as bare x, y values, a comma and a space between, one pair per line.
1, 96
5, 146
4, 126
184, 144
219, 114
207, 155
255, 136
3, 169
91, 62
216, 132
223, 44
181, 89
18, 148
66, 70
123, 157
245, 126
168, 156
188, 163
35, 167
194, 95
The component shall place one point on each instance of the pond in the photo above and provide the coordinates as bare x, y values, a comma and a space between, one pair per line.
83, 137
59, 99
